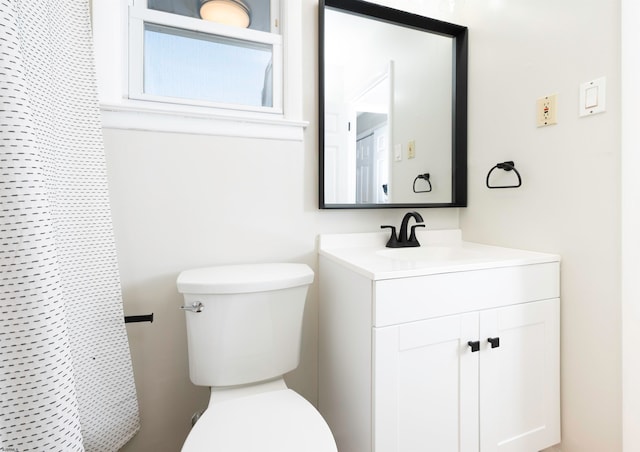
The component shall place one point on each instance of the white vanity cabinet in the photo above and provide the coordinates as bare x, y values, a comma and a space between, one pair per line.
432, 392
441, 361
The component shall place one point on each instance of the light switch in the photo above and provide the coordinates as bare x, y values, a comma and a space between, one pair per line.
397, 152
592, 97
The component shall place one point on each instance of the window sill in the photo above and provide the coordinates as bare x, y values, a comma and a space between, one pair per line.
180, 119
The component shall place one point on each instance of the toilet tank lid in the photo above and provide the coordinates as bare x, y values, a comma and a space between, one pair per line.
244, 278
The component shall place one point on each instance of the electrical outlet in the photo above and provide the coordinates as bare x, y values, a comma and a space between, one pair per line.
547, 110
411, 149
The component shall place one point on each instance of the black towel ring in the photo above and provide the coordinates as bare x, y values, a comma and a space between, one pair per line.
425, 177
507, 166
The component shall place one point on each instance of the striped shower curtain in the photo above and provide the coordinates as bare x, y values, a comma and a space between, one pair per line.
66, 382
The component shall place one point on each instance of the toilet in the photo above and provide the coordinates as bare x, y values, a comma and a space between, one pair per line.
244, 326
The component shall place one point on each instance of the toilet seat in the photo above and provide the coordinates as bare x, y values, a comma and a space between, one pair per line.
274, 421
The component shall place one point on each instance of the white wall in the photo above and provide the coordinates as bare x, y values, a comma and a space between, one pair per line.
181, 201
186, 201
570, 199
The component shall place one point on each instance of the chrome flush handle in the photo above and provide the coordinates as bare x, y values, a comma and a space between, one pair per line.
197, 306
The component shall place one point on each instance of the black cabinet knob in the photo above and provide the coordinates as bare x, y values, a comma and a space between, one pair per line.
494, 341
475, 345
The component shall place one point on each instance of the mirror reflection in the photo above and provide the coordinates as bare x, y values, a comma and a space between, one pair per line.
388, 110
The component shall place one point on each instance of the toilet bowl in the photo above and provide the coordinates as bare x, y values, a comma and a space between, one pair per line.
243, 331
276, 420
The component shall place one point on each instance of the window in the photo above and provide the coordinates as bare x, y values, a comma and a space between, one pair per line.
158, 59
175, 56
227, 71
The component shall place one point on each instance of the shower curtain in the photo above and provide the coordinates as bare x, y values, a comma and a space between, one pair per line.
66, 382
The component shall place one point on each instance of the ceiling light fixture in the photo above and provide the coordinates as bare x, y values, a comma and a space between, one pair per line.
228, 12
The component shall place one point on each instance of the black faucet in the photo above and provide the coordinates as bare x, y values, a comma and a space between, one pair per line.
401, 241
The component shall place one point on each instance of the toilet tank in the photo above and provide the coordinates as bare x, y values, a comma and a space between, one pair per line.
249, 328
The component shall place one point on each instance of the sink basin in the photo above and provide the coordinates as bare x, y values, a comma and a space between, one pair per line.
429, 253
441, 251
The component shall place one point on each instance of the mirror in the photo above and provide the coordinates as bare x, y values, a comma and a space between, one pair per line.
393, 108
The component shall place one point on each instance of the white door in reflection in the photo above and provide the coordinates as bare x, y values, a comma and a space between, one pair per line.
357, 147
372, 159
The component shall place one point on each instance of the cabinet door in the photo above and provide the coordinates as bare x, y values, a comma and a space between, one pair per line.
520, 377
426, 386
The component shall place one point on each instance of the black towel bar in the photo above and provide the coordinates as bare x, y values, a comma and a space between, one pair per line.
138, 318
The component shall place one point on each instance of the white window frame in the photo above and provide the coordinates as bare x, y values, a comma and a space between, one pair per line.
124, 106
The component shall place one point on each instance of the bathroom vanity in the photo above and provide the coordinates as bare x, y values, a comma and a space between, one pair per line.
452, 346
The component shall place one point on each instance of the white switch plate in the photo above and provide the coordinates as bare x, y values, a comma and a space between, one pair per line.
593, 97
397, 152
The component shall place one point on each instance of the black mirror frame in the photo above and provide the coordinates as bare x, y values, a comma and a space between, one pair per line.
459, 34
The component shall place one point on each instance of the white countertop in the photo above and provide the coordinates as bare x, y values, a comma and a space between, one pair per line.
441, 251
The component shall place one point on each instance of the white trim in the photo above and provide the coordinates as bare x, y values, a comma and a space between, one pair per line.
291, 29
111, 41
275, 17
630, 223
135, 67
189, 23
140, 116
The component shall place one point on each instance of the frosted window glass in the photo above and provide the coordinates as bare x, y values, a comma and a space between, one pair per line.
191, 65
